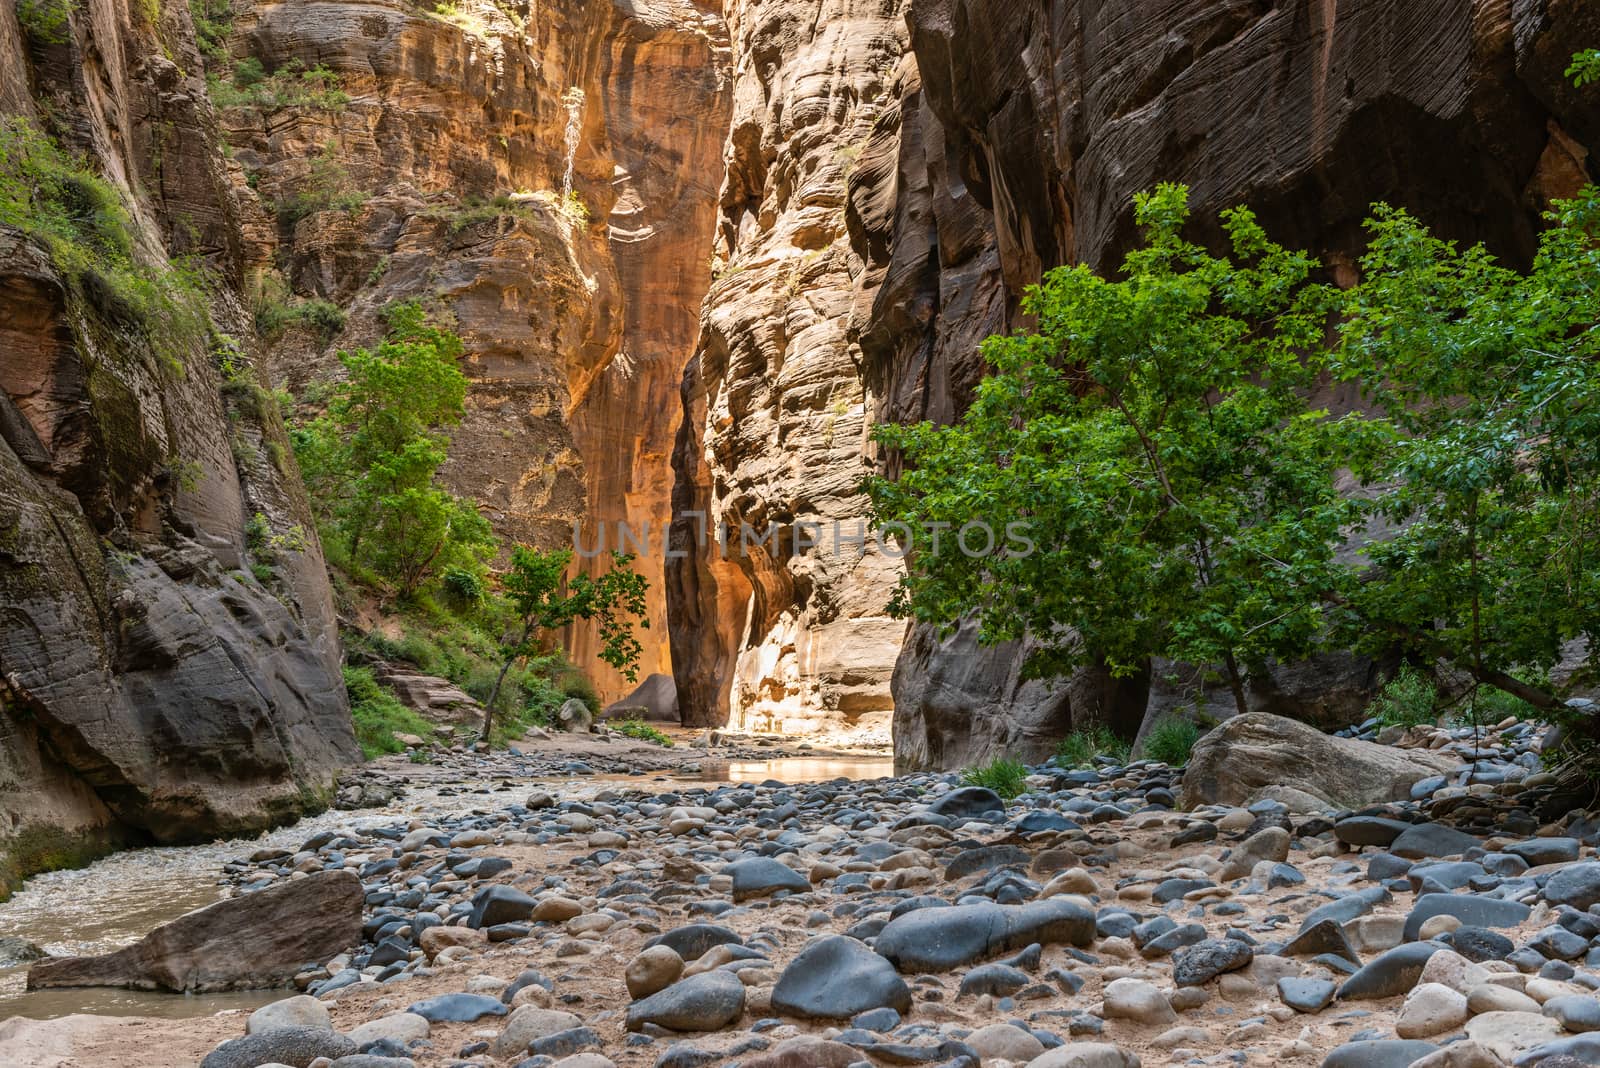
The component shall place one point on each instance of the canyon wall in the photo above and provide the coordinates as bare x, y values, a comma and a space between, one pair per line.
169, 665
451, 156
1011, 139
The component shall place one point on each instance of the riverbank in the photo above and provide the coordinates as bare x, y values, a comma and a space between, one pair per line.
1113, 915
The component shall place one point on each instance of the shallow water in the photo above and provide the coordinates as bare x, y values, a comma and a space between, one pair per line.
118, 900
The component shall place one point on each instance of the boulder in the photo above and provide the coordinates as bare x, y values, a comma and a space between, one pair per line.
254, 940
939, 939
834, 978
655, 700
1231, 763
574, 716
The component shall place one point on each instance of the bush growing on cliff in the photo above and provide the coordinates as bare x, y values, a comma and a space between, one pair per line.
80, 219
378, 715
1184, 499
372, 459
45, 21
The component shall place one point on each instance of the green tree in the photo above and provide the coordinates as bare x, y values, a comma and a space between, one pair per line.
1185, 500
1483, 388
371, 460
545, 601
1153, 438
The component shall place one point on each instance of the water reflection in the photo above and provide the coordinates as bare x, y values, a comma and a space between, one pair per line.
796, 769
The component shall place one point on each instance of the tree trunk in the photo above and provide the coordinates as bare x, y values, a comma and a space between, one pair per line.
1235, 683
499, 680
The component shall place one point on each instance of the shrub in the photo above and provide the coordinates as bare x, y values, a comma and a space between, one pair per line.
213, 21
378, 715
1410, 699
637, 728
1171, 740
463, 586
45, 21
1005, 777
1080, 748
79, 218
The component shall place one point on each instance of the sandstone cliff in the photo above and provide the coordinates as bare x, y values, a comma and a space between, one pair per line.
168, 661
443, 176
1011, 139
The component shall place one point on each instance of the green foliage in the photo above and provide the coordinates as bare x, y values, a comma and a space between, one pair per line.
1005, 777
45, 22
1153, 439
1484, 391
1183, 501
80, 219
327, 186
463, 586
543, 600
277, 309
213, 22
378, 715
1080, 748
573, 207
1585, 69
371, 460
1410, 699
634, 727
291, 85
1171, 740
474, 210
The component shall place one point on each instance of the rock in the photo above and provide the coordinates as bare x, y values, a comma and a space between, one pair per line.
1430, 1009
1378, 1053
762, 876
574, 716
1461, 1054
998, 980
1577, 1013
1004, 1042
1537, 851
1137, 1000
14, 951
692, 941
435, 940
655, 700
1204, 961
1432, 840
1491, 997
1369, 830
805, 1051
1086, 1055
1269, 844
1305, 995
295, 1046
556, 910
253, 940
1506, 1034
400, 1027
834, 978
301, 1011
653, 969
1257, 749
1582, 1049
1472, 910
1324, 936
968, 801
457, 1008
1389, 974
1577, 885
941, 939
499, 904
704, 1002
1478, 944
528, 1023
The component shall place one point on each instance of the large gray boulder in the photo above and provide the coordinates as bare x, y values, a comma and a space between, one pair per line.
1249, 752
253, 940
654, 700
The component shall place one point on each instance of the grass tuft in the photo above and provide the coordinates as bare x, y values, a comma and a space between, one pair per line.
1079, 749
1005, 777
1171, 741
639, 729
378, 715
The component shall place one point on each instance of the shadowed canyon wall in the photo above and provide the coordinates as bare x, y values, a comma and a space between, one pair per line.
1011, 139
169, 665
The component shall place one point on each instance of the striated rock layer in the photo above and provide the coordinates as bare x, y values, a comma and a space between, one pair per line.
169, 666
452, 156
1011, 139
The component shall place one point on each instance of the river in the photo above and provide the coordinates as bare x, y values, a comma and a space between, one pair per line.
118, 900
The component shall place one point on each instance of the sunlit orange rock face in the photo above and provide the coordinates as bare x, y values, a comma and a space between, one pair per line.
578, 316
